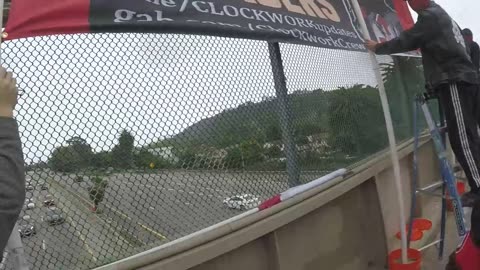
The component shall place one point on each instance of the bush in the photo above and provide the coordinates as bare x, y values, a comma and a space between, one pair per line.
273, 151
97, 191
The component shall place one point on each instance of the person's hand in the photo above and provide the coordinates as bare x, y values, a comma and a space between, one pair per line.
371, 45
8, 93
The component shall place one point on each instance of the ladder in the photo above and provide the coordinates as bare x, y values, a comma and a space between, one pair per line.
448, 182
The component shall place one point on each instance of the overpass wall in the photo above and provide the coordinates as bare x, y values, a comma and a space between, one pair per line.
348, 224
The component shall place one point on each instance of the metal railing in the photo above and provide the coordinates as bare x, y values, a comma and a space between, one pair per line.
134, 140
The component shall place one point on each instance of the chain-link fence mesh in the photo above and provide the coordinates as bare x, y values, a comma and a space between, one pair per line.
134, 140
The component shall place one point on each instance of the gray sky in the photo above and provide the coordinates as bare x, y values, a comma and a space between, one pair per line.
465, 13
94, 86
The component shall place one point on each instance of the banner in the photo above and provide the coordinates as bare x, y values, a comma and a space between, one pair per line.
321, 23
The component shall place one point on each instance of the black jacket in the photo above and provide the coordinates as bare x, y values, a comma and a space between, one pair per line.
444, 53
475, 54
12, 178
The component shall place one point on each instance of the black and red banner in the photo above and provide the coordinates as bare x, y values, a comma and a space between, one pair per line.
322, 23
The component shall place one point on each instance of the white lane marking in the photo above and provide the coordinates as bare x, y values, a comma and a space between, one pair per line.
83, 238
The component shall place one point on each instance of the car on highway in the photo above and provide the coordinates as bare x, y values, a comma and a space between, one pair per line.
44, 187
242, 202
55, 217
29, 188
26, 229
49, 201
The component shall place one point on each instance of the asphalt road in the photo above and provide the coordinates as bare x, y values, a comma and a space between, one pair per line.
139, 211
174, 204
53, 247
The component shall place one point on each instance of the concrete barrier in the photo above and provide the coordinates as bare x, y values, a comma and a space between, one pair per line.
347, 224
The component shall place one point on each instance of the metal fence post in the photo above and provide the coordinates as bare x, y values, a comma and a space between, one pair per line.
285, 114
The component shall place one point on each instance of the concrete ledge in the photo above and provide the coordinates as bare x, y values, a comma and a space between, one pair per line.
230, 238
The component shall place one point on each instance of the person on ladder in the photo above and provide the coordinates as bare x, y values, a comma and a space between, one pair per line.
467, 255
451, 76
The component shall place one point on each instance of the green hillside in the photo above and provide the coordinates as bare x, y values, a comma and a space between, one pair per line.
331, 129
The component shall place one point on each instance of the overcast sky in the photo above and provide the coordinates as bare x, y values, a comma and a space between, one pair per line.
465, 12
155, 86
96, 85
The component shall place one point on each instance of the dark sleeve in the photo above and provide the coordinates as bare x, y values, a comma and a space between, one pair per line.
452, 264
411, 39
475, 54
12, 178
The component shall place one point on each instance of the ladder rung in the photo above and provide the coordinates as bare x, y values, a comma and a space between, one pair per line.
429, 190
430, 245
431, 193
457, 169
432, 186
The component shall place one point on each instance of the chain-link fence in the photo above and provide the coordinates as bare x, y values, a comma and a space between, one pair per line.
134, 140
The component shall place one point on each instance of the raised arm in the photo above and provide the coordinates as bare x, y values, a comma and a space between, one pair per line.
12, 172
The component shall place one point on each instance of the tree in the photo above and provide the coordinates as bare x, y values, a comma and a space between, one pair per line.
252, 152
186, 157
64, 159
145, 159
96, 192
247, 153
76, 140
356, 121
122, 153
273, 132
403, 79
234, 158
77, 155
102, 160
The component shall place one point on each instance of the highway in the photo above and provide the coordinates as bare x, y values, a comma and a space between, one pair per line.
139, 211
53, 247
174, 204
